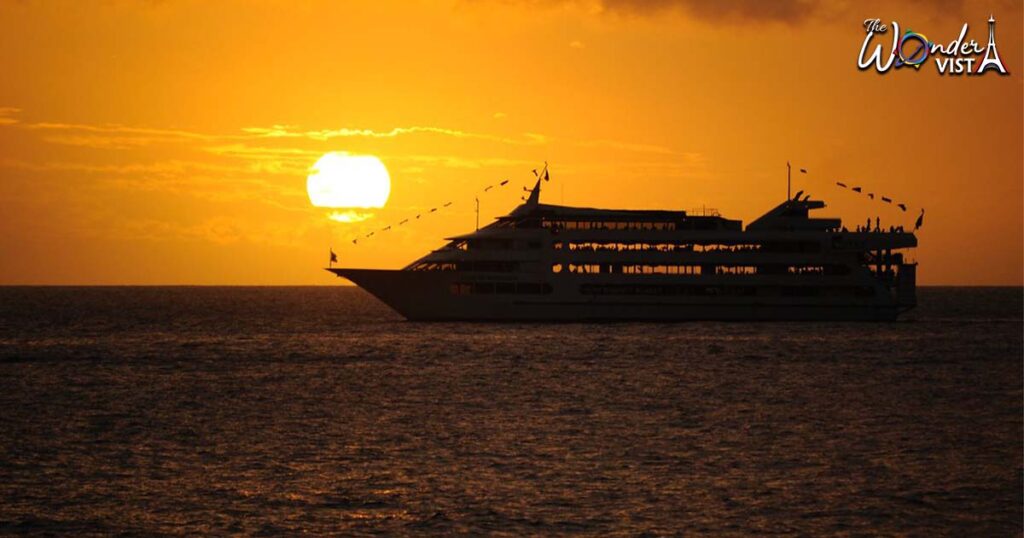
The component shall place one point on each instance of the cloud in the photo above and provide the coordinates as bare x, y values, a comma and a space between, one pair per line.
156, 134
577, 45
285, 131
788, 11
218, 229
452, 161
5, 115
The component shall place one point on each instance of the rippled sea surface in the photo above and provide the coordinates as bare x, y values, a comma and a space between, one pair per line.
286, 410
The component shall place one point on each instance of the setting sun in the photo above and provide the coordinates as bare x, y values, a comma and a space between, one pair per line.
340, 180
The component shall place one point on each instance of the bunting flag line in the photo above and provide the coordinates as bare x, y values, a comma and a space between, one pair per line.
542, 174
871, 195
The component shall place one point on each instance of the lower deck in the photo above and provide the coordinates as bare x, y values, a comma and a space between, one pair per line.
448, 295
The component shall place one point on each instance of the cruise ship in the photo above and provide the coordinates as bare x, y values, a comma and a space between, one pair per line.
545, 262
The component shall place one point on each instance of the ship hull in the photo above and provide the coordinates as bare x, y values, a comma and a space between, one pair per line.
433, 296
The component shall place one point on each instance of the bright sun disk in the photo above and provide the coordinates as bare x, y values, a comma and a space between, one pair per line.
340, 180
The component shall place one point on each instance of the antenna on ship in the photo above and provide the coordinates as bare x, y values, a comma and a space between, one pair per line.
477, 198
789, 180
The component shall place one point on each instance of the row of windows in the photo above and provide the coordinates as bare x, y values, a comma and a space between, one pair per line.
672, 269
488, 266
493, 266
433, 266
744, 291
593, 246
602, 225
601, 246
500, 288
494, 244
594, 268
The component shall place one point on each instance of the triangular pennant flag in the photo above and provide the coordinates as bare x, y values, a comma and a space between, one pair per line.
841, 184
503, 183
447, 204
887, 200
547, 176
856, 189
902, 206
803, 170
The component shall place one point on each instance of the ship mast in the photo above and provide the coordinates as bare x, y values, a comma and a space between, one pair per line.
789, 180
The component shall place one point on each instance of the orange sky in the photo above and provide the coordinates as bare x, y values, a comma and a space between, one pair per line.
138, 141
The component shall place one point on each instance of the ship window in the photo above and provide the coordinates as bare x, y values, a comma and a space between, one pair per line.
556, 268
584, 268
460, 289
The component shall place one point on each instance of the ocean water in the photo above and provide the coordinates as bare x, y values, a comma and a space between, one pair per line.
274, 411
